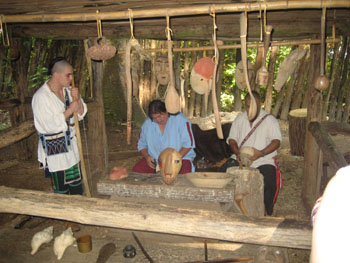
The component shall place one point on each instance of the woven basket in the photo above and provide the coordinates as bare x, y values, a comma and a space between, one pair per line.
101, 50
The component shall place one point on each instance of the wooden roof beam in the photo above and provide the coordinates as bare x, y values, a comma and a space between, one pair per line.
179, 11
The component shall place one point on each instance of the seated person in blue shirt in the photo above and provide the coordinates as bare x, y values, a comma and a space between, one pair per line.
162, 130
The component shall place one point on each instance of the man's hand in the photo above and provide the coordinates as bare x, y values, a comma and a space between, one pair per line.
75, 94
151, 162
257, 155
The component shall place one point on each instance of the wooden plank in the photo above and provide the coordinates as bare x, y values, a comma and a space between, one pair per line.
271, 231
152, 186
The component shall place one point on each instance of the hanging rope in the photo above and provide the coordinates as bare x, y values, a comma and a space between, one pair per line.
213, 83
131, 21
99, 25
3, 28
172, 99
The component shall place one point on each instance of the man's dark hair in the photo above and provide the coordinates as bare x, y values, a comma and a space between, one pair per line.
255, 94
156, 106
53, 62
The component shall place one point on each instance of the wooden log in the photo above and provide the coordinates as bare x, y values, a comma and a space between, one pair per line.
334, 157
178, 11
16, 133
336, 127
297, 131
271, 231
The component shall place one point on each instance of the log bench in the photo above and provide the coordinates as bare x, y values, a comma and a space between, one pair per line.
152, 186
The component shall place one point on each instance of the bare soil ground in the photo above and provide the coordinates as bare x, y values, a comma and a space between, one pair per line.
15, 238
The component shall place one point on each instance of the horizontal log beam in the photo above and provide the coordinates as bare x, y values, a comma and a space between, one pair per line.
330, 151
237, 46
336, 127
271, 231
179, 11
16, 133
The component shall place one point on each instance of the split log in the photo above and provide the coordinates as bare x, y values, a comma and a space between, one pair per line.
334, 157
297, 131
16, 133
272, 231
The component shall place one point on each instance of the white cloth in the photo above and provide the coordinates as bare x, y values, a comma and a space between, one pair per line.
267, 131
48, 111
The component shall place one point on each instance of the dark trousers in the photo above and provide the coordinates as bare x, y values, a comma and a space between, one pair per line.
268, 171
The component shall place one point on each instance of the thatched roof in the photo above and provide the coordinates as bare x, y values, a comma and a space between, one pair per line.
190, 19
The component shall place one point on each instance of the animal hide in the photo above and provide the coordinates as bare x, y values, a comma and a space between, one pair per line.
40, 238
288, 66
63, 241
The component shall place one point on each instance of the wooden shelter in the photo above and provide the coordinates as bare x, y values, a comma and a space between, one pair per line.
294, 22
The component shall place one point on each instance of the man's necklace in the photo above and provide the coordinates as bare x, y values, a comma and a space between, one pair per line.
60, 95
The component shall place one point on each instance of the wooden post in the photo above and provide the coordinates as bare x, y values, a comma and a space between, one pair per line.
97, 143
271, 231
313, 158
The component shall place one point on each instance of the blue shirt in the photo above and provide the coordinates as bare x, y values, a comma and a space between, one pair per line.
177, 134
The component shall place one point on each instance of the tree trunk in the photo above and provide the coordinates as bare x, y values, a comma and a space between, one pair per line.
186, 74
280, 98
313, 157
332, 77
336, 83
300, 88
237, 106
346, 113
191, 103
270, 231
342, 87
24, 149
269, 88
297, 131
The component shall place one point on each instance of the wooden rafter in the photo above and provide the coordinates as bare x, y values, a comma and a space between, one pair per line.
178, 11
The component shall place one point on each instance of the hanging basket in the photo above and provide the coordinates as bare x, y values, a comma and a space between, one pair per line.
101, 50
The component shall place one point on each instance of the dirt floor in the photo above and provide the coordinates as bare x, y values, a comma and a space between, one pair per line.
16, 231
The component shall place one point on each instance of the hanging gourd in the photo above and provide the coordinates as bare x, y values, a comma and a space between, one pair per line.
262, 75
322, 82
172, 99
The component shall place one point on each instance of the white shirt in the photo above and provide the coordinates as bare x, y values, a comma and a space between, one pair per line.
48, 111
267, 131
330, 235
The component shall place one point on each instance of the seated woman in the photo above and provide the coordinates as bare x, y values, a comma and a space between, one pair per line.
162, 130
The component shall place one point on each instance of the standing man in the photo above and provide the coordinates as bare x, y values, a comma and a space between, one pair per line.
54, 104
264, 135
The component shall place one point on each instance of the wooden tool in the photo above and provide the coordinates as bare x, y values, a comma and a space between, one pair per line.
80, 147
253, 106
263, 74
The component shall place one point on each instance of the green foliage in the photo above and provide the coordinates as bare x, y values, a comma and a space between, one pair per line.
39, 77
